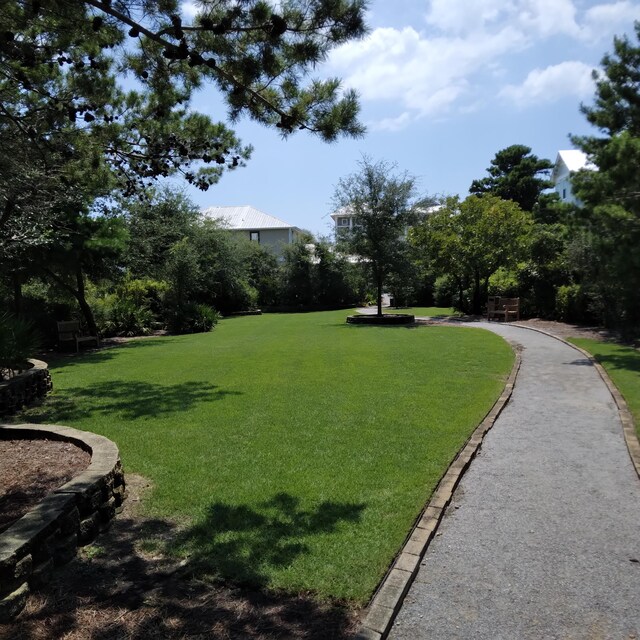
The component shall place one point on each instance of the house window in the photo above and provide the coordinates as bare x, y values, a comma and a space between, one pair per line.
564, 194
343, 222
254, 236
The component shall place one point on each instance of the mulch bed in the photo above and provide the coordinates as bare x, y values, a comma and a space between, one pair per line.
30, 469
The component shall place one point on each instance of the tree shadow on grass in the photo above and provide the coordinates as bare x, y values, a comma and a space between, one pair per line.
242, 545
128, 400
63, 360
620, 361
115, 590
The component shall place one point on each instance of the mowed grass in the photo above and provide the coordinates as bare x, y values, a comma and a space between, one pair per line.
291, 451
623, 366
423, 312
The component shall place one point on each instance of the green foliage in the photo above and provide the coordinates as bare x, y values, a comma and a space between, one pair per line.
191, 317
132, 309
295, 451
313, 275
516, 174
577, 303
610, 194
18, 342
384, 204
470, 240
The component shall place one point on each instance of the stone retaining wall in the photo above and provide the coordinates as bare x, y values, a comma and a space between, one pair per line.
69, 517
24, 388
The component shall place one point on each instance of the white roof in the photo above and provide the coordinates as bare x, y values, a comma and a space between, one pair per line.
245, 217
573, 160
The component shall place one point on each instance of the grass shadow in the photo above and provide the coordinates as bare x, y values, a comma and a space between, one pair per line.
241, 544
129, 400
116, 590
623, 362
62, 360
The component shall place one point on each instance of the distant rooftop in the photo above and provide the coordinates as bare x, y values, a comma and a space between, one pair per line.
245, 218
573, 159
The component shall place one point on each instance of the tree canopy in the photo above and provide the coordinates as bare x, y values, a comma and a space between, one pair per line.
384, 204
611, 195
515, 174
471, 240
100, 91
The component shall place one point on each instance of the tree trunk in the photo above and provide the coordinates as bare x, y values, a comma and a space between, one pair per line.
477, 305
79, 295
379, 283
84, 305
461, 304
17, 294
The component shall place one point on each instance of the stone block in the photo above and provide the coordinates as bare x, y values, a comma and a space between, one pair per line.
42, 574
69, 522
107, 509
13, 604
66, 549
88, 529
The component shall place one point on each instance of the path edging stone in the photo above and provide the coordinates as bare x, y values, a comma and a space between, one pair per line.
388, 598
68, 517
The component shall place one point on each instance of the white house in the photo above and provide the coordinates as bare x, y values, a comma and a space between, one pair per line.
344, 218
567, 162
255, 225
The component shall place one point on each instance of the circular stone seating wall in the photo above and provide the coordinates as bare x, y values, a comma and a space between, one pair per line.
25, 388
385, 320
68, 517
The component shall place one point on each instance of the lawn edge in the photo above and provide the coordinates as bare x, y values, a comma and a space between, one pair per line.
628, 423
389, 596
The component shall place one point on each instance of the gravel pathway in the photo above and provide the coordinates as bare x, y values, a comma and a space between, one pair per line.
543, 537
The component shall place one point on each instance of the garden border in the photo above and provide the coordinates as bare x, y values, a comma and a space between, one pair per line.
25, 387
387, 600
68, 517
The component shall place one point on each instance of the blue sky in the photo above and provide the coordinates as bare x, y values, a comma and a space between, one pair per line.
444, 84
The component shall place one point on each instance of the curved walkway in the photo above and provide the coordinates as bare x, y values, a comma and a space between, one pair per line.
543, 536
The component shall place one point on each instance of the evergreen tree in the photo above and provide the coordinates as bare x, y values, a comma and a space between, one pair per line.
611, 194
515, 174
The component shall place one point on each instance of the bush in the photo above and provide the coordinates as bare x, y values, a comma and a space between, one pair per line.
18, 342
445, 293
575, 303
193, 318
131, 310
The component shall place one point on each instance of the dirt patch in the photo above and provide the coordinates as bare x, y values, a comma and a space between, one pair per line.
564, 330
31, 469
115, 589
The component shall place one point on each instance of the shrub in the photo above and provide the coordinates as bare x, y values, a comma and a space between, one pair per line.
130, 310
192, 318
18, 342
444, 292
574, 304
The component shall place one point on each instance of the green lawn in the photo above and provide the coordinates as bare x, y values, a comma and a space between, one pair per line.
430, 312
294, 451
623, 366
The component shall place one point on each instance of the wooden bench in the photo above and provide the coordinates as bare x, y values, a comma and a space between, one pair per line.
69, 331
506, 309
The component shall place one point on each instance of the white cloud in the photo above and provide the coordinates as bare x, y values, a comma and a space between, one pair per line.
426, 76
569, 78
603, 20
532, 17
469, 47
392, 124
